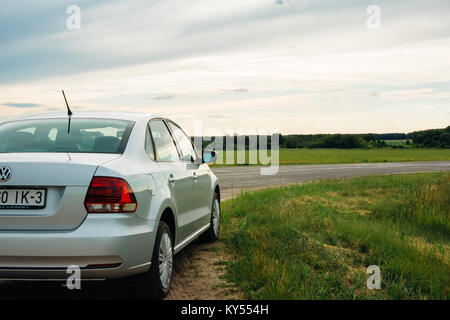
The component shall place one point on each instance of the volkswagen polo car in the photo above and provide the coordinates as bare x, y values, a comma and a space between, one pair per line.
115, 194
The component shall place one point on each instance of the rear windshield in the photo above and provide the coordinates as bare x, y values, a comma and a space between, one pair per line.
53, 135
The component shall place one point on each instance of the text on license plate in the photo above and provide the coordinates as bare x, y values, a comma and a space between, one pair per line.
22, 198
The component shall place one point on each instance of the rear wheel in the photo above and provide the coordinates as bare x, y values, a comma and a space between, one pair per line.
212, 234
155, 283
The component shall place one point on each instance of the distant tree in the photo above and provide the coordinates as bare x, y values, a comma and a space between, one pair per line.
433, 138
369, 137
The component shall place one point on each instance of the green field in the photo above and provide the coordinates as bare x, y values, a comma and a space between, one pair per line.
315, 241
329, 156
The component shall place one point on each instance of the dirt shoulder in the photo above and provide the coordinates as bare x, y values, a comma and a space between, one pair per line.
199, 274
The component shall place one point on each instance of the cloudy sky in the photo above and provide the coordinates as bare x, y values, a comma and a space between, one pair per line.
297, 66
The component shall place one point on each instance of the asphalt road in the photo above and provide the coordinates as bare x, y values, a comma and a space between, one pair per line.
235, 179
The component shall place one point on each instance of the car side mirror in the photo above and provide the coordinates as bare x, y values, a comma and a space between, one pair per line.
209, 156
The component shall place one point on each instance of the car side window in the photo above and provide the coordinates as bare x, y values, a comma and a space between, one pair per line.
149, 144
164, 144
184, 143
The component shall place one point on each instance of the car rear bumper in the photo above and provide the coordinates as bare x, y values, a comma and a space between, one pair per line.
104, 247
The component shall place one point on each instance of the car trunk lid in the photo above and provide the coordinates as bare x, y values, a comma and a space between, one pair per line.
63, 179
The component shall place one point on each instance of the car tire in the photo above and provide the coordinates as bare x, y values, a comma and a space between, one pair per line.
213, 232
155, 283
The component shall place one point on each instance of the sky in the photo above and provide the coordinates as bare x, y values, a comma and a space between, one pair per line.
292, 66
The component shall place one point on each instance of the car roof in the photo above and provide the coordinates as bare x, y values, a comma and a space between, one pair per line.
129, 116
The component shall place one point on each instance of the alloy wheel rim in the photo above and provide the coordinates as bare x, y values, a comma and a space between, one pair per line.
165, 260
216, 217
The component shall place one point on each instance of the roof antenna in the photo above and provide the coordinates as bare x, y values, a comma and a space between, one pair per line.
69, 112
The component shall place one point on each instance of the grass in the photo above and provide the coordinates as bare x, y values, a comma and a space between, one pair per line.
316, 240
330, 156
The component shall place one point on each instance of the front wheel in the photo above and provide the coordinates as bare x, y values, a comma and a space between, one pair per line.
212, 234
155, 283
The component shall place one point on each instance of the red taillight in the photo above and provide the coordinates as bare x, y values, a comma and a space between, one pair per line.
110, 195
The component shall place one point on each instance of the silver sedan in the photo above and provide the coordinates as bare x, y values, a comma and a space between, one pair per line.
117, 194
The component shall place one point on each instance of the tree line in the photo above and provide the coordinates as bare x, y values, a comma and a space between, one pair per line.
433, 138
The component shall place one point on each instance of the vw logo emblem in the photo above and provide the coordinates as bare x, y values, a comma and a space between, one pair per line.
5, 173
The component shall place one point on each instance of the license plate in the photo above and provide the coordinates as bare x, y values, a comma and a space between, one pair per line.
22, 198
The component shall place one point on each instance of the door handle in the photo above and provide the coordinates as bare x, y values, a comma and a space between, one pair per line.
171, 179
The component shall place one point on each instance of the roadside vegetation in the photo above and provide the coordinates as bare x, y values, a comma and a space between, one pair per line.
331, 156
433, 138
315, 241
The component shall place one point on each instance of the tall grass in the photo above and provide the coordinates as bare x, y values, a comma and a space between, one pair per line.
315, 241
425, 204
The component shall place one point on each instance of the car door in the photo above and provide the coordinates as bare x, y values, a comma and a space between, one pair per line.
202, 189
178, 178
